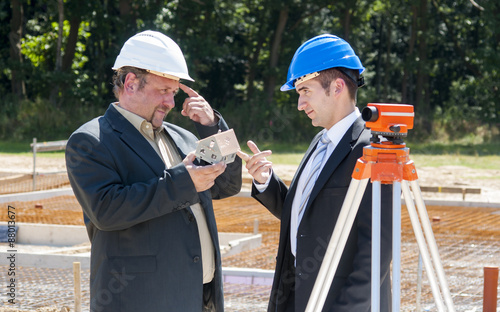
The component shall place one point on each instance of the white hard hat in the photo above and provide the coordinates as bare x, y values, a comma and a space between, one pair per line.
154, 52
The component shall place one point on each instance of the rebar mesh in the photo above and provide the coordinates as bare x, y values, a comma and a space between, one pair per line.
467, 238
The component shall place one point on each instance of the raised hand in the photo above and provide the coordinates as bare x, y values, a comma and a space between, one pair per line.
197, 108
257, 165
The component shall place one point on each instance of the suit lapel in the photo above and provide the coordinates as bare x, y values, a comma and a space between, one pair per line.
303, 162
134, 139
339, 153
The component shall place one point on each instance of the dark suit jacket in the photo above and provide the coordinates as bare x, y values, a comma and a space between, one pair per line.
146, 253
350, 289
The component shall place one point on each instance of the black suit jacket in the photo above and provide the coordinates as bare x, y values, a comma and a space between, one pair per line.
350, 289
146, 253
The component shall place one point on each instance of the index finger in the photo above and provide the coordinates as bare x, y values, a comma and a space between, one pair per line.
253, 147
190, 92
243, 155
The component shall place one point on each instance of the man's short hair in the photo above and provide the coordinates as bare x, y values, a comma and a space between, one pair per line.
122, 72
328, 75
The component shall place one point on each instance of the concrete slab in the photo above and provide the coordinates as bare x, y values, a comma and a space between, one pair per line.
234, 243
50, 234
28, 196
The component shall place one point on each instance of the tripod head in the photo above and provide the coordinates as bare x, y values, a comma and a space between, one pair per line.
390, 121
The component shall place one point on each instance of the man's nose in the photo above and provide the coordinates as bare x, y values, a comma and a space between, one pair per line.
169, 101
301, 104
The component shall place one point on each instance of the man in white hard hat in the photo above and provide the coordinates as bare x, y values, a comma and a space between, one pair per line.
325, 72
146, 200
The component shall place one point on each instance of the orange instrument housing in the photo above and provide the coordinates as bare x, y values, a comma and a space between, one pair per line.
389, 119
387, 161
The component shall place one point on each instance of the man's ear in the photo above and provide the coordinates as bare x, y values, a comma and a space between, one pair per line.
337, 86
131, 83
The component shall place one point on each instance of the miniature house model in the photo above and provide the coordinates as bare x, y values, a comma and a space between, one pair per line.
218, 147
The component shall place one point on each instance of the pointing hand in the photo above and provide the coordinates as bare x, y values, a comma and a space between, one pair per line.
257, 165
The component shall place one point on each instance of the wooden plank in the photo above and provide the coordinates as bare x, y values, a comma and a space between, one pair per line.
448, 189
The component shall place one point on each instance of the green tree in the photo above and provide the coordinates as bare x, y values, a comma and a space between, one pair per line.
440, 55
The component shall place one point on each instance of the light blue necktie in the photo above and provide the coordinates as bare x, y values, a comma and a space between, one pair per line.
317, 160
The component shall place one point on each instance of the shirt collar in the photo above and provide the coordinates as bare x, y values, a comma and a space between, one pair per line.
141, 124
338, 130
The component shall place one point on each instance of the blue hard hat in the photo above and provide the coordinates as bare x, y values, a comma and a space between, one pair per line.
320, 53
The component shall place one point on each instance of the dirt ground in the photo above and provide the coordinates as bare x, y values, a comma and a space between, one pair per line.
24, 164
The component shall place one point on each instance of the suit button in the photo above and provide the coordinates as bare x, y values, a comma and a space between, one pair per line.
196, 259
191, 218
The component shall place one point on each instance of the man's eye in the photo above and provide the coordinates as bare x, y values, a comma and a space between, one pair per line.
165, 91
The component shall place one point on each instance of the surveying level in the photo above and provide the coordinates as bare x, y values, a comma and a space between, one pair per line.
389, 120
386, 160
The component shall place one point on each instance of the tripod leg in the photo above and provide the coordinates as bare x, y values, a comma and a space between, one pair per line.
422, 246
336, 245
376, 219
396, 246
419, 284
431, 241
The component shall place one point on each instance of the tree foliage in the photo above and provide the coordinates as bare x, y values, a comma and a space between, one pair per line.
441, 56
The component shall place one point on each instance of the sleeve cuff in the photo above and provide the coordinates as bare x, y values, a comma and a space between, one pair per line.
262, 187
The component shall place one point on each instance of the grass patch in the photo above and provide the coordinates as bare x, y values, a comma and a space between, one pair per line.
483, 149
283, 154
7, 147
24, 149
473, 162
421, 160
278, 148
286, 158
475, 156
470, 155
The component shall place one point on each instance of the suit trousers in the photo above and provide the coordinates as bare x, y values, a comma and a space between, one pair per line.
289, 287
208, 298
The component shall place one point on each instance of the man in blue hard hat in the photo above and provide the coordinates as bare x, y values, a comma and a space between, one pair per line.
325, 72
